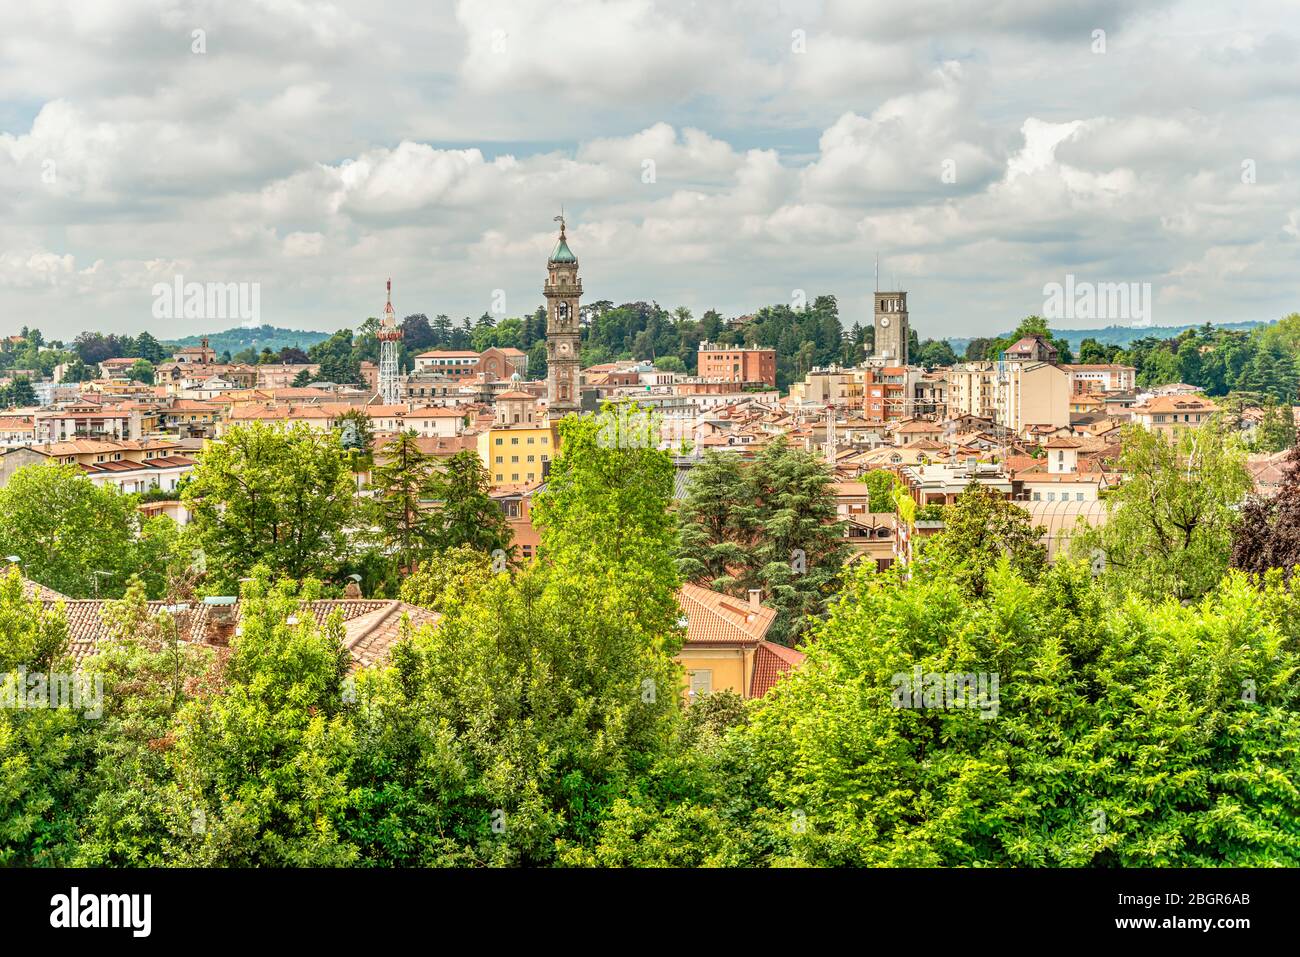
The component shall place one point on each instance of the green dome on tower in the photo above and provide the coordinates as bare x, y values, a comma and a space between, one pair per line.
562, 253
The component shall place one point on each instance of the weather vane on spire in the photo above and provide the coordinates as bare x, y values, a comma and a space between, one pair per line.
560, 219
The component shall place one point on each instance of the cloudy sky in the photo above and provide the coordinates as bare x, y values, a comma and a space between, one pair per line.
707, 154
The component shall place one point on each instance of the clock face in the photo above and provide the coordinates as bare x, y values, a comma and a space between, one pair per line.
884, 322
564, 347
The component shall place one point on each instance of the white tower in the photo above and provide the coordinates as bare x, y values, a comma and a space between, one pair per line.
390, 388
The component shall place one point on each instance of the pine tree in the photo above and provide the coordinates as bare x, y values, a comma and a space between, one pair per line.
464, 512
712, 536
404, 485
799, 545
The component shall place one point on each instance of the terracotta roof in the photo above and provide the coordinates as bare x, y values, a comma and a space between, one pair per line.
1175, 403
713, 618
771, 661
918, 425
1060, 443
370, 626
436, 412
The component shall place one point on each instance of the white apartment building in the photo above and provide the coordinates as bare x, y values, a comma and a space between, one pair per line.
1103, 377
1012, 394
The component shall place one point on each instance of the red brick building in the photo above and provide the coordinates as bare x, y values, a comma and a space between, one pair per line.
737, 364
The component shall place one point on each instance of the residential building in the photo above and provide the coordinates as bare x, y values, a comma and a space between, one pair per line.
744, 364
1016, 394
1169, 415
725, 646
1102, 377
518, 455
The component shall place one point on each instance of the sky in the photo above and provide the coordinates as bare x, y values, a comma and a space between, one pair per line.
709, 154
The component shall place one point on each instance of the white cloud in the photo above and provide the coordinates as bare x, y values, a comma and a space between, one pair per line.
319, 148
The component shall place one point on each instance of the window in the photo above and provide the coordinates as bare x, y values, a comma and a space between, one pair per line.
514, 477
701, 683
500, 442
514, 440
514, 459
531, 457
1078, 496
499, 460
1038, 496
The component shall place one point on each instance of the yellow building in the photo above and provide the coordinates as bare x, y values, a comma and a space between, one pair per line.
725, 649
517, 454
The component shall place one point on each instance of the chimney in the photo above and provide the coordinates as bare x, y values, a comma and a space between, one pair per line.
755, 599
222, 615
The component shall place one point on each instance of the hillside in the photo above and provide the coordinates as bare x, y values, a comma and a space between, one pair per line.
259, 338
1121, 335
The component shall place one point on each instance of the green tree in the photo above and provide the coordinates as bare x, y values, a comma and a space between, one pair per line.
463, 511
1118, 735
799, 546
507, 731
337, 358
142, 371
447, 579
880, 490
149, 349
18, 393
71, 535
402, 504
264, 764
980, 529
1276, 429
713, 534
770, 525
278, 496
357, 437
1169, 524
135, 814
42, 749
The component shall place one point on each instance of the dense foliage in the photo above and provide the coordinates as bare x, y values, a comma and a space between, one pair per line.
769, 524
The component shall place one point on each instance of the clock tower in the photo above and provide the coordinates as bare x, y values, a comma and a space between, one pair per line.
563, 290
891, 327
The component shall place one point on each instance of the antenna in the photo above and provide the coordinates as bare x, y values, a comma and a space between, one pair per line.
877, 272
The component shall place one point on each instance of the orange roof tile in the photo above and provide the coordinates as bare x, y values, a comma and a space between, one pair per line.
712, 617
771, 661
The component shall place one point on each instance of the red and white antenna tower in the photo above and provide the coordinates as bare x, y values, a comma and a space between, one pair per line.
390, 386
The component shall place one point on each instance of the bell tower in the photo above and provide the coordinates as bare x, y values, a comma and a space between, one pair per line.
892, 331
563, 290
